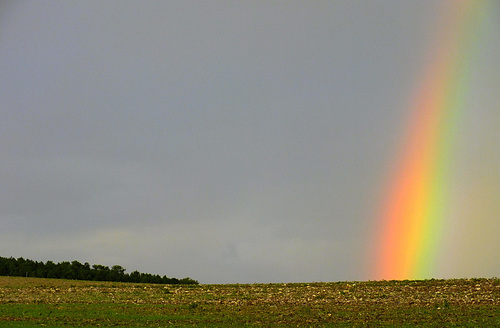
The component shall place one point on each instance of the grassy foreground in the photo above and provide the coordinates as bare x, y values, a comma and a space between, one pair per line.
35, 302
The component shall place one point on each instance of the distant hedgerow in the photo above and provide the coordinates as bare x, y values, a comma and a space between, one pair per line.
78, 271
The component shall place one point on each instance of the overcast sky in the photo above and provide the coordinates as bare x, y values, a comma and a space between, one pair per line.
228, 141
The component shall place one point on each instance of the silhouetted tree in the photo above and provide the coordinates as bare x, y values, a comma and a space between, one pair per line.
76, 270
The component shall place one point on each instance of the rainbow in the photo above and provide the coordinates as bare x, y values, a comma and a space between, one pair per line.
419, 204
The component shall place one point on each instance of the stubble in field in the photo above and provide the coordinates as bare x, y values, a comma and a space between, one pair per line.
28, 302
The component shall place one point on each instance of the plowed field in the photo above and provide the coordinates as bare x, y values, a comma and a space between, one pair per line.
34, 302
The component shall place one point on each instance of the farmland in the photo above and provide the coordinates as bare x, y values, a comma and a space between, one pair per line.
35, 302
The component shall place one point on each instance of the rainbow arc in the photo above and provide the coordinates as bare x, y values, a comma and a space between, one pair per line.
419, 201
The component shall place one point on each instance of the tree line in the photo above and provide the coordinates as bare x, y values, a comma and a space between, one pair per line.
78, 271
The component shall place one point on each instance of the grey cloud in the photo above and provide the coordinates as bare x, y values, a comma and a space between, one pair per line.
227, 141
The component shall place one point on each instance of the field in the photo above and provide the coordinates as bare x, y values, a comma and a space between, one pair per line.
34, 302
